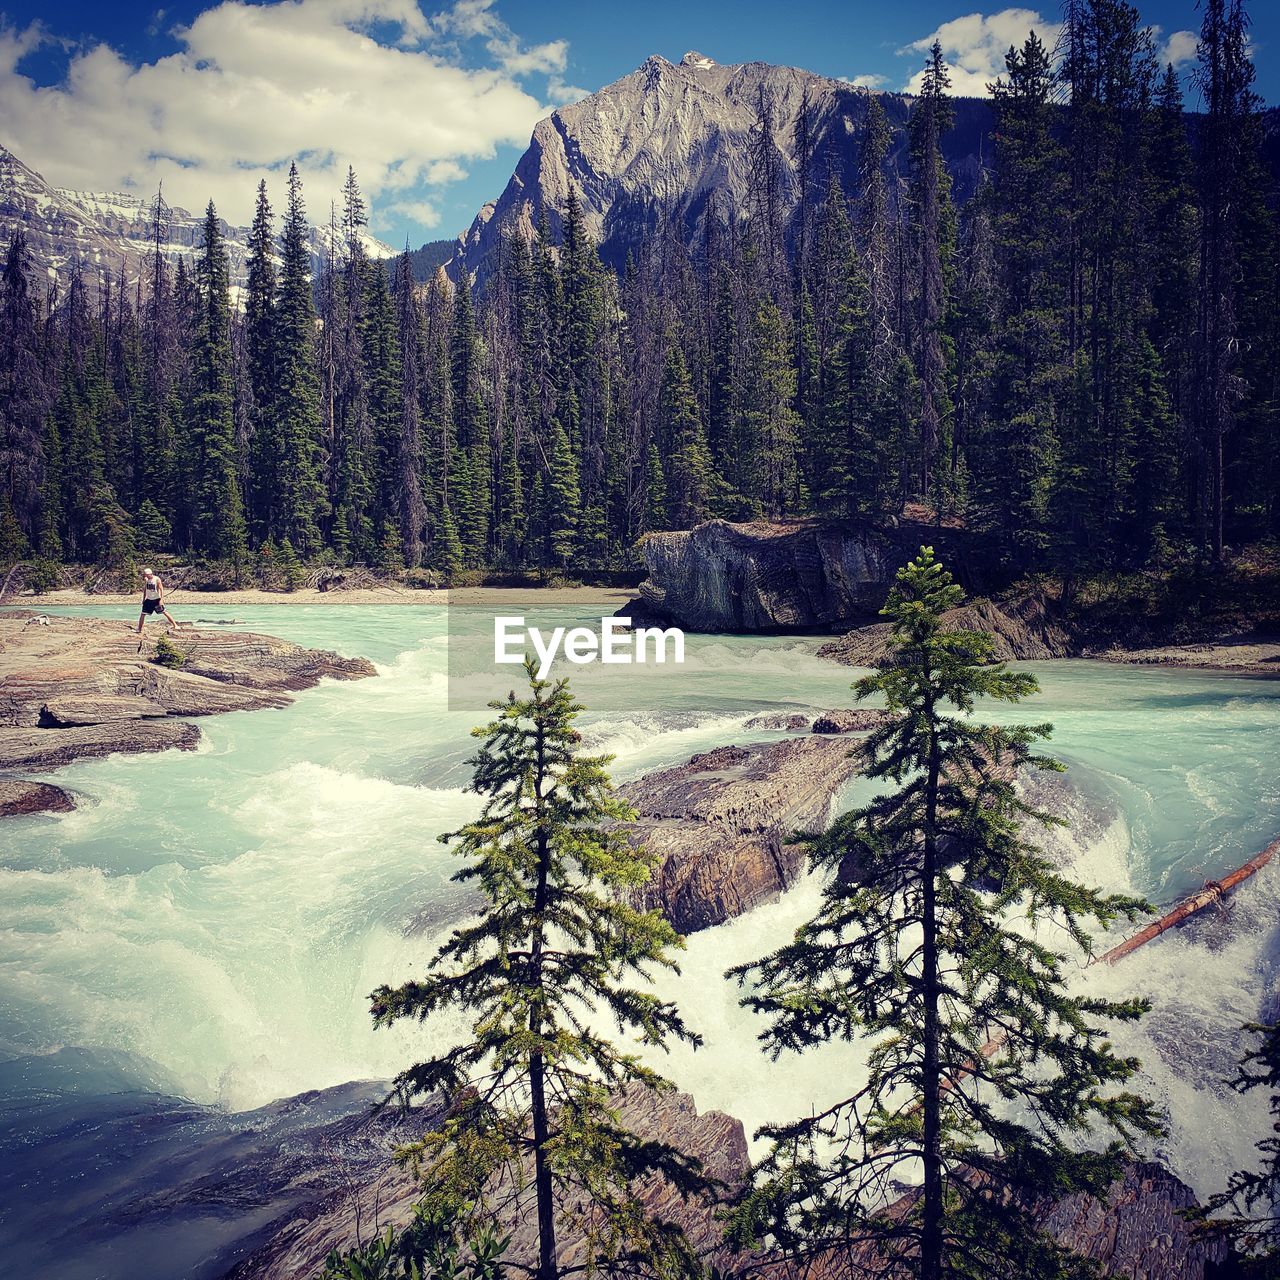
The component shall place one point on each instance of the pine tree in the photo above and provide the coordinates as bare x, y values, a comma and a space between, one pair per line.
690, 485
1013, 461
153, 531
287, 566
934, 227
407, 500
296, 406
218, 515
770, 444
917, 949
260, 357
563, 499
24, 395
13, 542
554, 943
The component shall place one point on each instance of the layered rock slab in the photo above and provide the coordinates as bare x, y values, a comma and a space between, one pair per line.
720, 823
78, 688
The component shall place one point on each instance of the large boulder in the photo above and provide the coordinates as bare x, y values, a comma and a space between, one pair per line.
766, 577
721, 823
809, 575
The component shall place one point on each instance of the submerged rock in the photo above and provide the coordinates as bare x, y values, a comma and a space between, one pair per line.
24, 797
720, 824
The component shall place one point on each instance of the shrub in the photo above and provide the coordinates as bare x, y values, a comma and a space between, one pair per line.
169, 655
43, 575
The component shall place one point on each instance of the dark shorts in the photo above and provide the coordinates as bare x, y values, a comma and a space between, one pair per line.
152, 606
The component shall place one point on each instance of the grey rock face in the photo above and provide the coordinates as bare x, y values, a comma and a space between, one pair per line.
677, 139
764, 577
720, 824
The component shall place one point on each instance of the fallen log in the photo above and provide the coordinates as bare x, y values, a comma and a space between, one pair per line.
1213, 891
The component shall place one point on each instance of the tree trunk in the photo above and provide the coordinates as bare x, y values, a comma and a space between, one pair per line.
931, 1250
537, 1071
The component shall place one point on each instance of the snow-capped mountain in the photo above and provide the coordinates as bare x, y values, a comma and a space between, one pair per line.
103, 231
676, 137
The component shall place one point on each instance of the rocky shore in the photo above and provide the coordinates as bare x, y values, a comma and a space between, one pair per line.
77, 688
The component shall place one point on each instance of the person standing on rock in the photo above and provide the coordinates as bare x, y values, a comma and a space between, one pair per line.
153, 600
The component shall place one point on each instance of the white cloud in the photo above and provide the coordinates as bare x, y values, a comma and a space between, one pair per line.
254, 86
1180, 48
873, 81
975, 45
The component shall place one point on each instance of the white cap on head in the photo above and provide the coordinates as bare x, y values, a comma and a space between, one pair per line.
146, 570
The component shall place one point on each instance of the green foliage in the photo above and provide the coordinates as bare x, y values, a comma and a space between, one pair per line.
13, 542
169, 655
1252, 1196
218, 524
43, 575
921, 949
152, 531
289, 567
533, 1087
428, 1249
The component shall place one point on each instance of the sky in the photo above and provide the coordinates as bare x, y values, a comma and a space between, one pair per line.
433, 103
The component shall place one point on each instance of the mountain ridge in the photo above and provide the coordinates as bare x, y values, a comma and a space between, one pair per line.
103, 231
678, 138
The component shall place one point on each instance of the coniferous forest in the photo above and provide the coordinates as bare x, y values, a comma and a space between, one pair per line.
1078, 364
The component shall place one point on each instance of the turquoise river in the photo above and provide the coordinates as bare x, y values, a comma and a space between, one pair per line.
210, 923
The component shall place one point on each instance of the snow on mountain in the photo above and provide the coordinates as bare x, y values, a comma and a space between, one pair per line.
104, 231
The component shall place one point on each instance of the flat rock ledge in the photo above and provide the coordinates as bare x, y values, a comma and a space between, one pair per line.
1020, 631
720, 824
78, 688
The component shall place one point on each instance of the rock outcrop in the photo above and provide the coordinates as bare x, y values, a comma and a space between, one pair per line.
1020, 631
759, 577
1135, 1230
21, 797
79, 687
719, 824
299, 1241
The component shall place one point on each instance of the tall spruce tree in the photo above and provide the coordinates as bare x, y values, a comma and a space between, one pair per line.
935, 242
921, 949
299, 489
24, 393
1014, 458
218, 516
258, 326
553, 948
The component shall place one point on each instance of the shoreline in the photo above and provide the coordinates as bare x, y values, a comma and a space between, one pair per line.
499, 597
79, 688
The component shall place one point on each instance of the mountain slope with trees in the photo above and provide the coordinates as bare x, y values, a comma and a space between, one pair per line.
1076, 365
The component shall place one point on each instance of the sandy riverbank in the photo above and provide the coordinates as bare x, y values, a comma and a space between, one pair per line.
606, 599
1253, 656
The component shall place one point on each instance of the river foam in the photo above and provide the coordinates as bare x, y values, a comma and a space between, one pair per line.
218, 917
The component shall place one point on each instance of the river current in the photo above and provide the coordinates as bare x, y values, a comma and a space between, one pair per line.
207, 925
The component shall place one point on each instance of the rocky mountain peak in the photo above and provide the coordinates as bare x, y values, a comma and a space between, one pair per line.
682, 140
